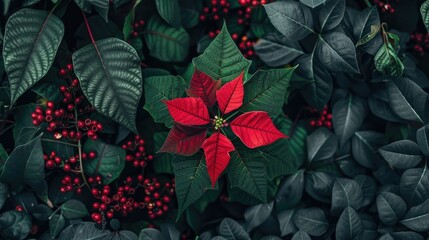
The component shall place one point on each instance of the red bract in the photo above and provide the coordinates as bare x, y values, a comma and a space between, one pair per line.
192, 120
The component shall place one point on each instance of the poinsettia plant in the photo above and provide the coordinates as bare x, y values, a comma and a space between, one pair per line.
195, 115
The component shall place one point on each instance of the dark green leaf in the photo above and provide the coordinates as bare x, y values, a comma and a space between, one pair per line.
312, 221
390, 208
169, 10
14, 225
387, 62
265, 91
161, 88
128, 22
291, 18
402, 236
85, 5
423, 139
369, 188
331, 14
380, 107
162, 162
102, 7
312, 3
369, 227
4, 193
277, 50
31, 41
83, 230
417, 217
386, 174
41, 212
222, 59
414, 185
56, 224
319, 186
110, 77
300, 235
319, 89
123, 235
402, 154
169, 231
150, 234
362, 27
231, 230
347, 117
192, 180
424, 11
364, 147
24, 129
25, 165
165, 42
287, 226
349, 225
73, 209
337, 52
291, 189
346, 193
100, 30
256, 215
190, 17
321, 145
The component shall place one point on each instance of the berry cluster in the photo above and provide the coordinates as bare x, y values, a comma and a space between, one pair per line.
127, 198
420, 42
385, 6
246, 46
136, 152
62, 119
252, 3
324, 119
216, 12
137, 28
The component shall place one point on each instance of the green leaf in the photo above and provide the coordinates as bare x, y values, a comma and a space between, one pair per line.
73, 209
369, 227
85, 5
387, 62
337, 52
109, 161
346, 192
312, 221
110, 77
369, 188
300, 235
192, 180
257, 214
364, 147
128, 22
319, 186
166, 43
169, 231
169, 10
41, 212
424, 11
276, 50
246, 171
423, 139
25, 165
290, 191
363, 23
414, 185
4, 193
190, 17
349, 225
408, 100
84, 230
150, 234
331, 14
266, 90
380, 106
162, 162
285, 219
417, 217
230, 230
347, 116
100, 30
102, 7
312, 3
319, 89
24, 129
405, 235
14, 225
402, 154
31, 41
321, 145
56, 224
222, 59
390, 208
161, 88
290, 18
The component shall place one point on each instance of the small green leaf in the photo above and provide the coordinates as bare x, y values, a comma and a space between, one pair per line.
162, 162
287, 226
402, 154
150, 234
165, 42
423, 139
14, 225
312, 3
349, 225
84, 230
169, 231
414, 185
364, 147
31, 41
110, 76
230, 229
424, 11
387, 62
222, 59
363, 23
102, 7
319, 185
24, 129
290, 191
390, 208
85, 5
73, 209
109, 161
369, 188
257, 214
56, 224
331, 14
312, 221
346, 192
417, 217
321, 145
301, 235
161, 88
169, 10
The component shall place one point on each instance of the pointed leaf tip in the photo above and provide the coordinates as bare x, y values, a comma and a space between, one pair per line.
188, 111
184, 140
203, 86
230, 96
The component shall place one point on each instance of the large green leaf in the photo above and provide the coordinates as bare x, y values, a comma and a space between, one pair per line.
25, 165
169, 10
165, 42
14, 225
380, 107
408, 100
312, 221
266, 90
246, 171
109, 161
402, 154
230, 229
31, 41
192, 179
222, 59
331, 14
291, 18
364, 147
390, 208
417, 217
110, 77
346, 192
349, 225
161, 88
414, 185
424, 11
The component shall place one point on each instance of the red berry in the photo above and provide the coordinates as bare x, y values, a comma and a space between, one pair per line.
96, 217
69, 66
67, 167
94, 192
50, 164
166, 199
109, 214
156, 195
19, 208
92, 155
50, 104
62, 72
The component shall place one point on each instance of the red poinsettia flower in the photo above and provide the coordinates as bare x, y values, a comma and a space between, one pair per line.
194, 115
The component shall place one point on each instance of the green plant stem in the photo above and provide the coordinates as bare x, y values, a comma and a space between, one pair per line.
230, 116
79, 148
60, 142
53, 213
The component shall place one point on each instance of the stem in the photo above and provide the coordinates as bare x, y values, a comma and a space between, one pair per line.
368, 4
88, 28
6, 129
79, 145
292, 129
230, 116
56, 141
53, 213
